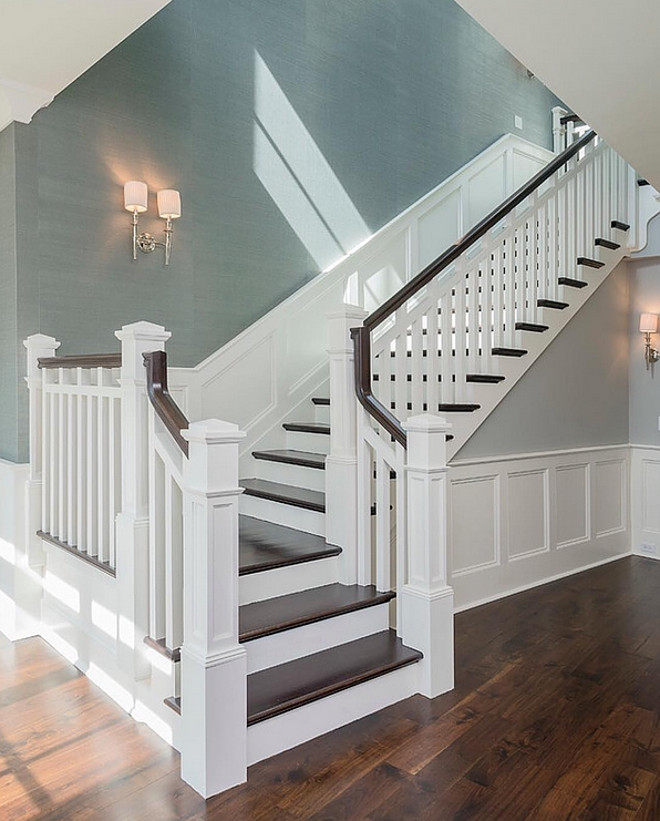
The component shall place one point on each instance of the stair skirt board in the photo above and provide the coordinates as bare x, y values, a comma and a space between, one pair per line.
280, 648
283, 581
274, 735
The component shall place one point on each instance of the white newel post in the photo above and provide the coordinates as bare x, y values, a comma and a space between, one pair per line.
427, 601
213, 663
341, 466
38, 346
132, 527
558, 130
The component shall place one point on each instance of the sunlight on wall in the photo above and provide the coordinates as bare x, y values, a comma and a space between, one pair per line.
65, 593
104, 619
297, 176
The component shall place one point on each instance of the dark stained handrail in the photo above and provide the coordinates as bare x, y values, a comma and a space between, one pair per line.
167, 409
362, 335
87, 360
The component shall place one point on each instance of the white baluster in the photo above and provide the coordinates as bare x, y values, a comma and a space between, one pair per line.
365, 468
213, 663
427, 601
383, 527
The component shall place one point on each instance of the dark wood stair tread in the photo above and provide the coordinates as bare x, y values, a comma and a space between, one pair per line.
551, 303
622, 226
174, 703
642, 182
280, 689
458, 407
531, 326
160, 646
266, 546
509, 352
572, 283
607, 243
484, 378
286, 494
308, 427
590, 263
320, 400
292, 457
286, 612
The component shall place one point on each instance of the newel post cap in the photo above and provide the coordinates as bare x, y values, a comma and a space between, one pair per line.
213, 431
39, 341
426, 423
143, 330
427, 448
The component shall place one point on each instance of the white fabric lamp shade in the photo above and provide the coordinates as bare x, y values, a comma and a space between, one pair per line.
169, 203
136, 195
648, 323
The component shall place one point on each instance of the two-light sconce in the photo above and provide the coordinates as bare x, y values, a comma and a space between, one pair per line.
648, 324
136, 199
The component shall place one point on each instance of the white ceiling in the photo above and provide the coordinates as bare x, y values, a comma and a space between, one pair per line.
46, 44
602, 58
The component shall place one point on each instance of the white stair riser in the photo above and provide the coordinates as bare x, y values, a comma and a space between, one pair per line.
310, 521
288, 645
315, 442
289, 729
322, 414
285, 580
311, 478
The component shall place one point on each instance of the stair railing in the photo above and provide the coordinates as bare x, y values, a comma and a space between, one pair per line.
415, 354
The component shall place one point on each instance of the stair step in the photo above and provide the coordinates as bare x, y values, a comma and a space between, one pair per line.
308, 427
642, 182
484, 378
280, 689
265, 618
551, 303
266, 546
174, 703
320, 400
572, 283
286, 494
457, 407
622, 226
590, 263
607, 243
509, 352
292, 457
531, 326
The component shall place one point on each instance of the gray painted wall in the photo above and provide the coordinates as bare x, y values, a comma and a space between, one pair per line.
644, 274
395, 96
576, 394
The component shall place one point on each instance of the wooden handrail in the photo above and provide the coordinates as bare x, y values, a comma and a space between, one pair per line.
167, 409
467, 241
362, 336
87, 360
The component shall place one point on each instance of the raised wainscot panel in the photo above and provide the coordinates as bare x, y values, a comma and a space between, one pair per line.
246, 389
439, 228
475, 524
486, 190
528, 513
650, 491
610, 501
572, 512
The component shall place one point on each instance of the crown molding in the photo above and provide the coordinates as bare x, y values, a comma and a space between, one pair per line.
20, 102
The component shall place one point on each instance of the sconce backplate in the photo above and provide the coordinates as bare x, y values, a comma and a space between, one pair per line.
146, 243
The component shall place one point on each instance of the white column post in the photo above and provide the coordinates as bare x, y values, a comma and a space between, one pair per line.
213, 663
427, 601
341, 466
558, 130
132, 527
38, 346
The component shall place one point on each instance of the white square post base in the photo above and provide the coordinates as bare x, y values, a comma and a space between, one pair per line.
428, 626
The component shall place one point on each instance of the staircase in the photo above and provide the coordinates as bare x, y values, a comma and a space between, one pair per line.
316, 587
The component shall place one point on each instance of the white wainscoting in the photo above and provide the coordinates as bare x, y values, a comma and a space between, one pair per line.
645, 496
272, 368
519, 521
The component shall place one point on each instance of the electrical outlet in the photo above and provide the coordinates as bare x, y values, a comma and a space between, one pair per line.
518, 121
649, 549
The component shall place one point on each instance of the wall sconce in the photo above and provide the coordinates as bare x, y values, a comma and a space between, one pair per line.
648, 324
136, 195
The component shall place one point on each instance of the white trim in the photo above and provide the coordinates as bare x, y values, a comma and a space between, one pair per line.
540, 582
544, 454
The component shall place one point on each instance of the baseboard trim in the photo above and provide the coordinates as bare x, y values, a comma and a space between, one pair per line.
546, 580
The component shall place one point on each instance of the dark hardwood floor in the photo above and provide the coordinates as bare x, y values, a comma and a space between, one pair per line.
556, 715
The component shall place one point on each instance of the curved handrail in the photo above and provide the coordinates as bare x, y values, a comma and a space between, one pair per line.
167, 409
362, 336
